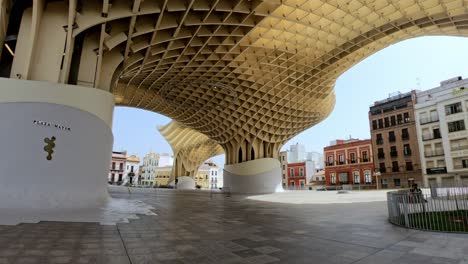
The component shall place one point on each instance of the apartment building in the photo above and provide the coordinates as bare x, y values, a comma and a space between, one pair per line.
442, 116
283, 158
395, 142
349, 162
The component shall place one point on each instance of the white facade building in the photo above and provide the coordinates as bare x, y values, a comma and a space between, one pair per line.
216, 177
313, 161
165, 160
131, 170
150, 163
297, 153
442, 116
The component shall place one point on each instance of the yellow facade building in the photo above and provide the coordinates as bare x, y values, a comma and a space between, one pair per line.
162, 175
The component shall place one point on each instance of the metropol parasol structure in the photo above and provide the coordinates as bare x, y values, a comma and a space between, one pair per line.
246, 74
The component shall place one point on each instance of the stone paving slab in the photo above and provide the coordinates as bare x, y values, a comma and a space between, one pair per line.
194, 228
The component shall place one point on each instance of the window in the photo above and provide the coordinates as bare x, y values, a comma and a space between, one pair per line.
395, 167
352, 157
291, 183
391, 136
396, 182
406, 117
453, 108
367, 177
291, 170
112, 177
379, 139
380, 123
436, 132
456, 126
341, 159
120, 177
343, 177
393, 151
404, 134
399, 119
374, 124
301, 182
332, 178
382, 168
393, 120
465, 163
380, 153
284, 176
364, 156
301, 172
406, 150
121, 166
284, 167
113, 165
330, 160
356, 177
409, 166
387, 123
282, 158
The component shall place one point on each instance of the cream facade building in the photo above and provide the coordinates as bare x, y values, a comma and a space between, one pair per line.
209, 176
162, 175
283, 157
442, 119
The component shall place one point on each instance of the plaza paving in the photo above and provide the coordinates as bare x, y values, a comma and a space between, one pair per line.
192, 227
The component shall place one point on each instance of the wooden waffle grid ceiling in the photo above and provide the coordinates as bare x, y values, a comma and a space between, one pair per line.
280, 58
190, 147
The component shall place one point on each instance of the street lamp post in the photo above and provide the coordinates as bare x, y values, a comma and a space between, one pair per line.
377, 174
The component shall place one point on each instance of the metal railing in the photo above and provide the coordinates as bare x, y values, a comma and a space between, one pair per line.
427, 120
433, 153
434, 208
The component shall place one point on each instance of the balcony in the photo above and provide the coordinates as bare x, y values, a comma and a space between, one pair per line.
433, 153
407, 152
365, 160
436, 170
393, 154
459, 147
330, 163
379, 141
460, 166
382, 170
430, 137
395, 169
391, 138
381, 155
409, 167
352, 161
340, 163
405, 137
427, 120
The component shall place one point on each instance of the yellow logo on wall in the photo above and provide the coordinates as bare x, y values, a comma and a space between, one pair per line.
49, 148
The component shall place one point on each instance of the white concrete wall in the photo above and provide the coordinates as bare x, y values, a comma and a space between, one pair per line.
76, 175
255, 176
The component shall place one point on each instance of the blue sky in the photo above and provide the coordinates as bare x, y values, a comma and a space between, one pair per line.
419, 63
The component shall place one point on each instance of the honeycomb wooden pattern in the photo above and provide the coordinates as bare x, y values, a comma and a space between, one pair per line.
191, 148
249, 74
